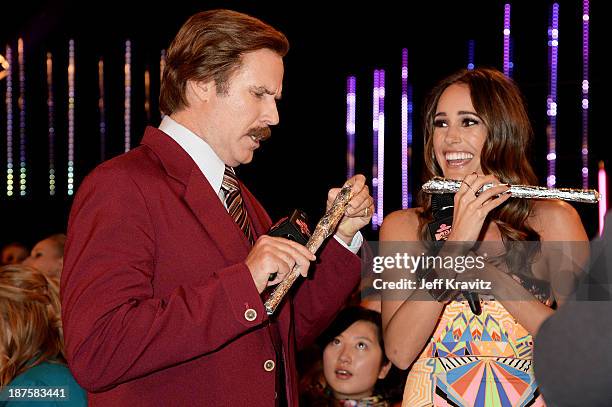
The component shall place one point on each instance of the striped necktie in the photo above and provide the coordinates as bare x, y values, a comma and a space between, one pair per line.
233, 202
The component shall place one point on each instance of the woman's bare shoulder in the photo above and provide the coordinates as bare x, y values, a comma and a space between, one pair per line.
554, 219
401, 225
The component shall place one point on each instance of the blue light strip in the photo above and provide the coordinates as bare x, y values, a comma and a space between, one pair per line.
471, 49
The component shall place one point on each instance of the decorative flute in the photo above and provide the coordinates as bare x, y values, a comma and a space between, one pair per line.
323, 230
440, 185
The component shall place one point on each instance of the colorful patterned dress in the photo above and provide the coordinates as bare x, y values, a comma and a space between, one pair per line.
476, 360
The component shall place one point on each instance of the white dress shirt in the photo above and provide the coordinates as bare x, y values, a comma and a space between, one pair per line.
213, 168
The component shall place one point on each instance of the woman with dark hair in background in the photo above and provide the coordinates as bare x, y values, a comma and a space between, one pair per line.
13, 253
477, 130
354, 363
31, 342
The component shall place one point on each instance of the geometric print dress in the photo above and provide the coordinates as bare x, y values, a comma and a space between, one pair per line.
475, 361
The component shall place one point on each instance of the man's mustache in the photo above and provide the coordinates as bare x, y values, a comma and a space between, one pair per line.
260, 133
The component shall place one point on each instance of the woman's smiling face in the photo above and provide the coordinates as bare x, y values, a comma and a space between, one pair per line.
459, 133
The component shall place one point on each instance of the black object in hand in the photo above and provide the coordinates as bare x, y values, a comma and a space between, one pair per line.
294, 227
442, 206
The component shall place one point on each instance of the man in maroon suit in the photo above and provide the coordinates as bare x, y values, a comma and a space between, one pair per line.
165, 260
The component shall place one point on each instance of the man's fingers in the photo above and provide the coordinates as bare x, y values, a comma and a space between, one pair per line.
301, 249
331, 194
358, 183
290, 247
293, 254
358, 186
359, 207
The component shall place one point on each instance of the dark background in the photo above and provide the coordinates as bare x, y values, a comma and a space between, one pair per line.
306, 155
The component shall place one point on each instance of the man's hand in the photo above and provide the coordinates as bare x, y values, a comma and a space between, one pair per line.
272, 255
358, 212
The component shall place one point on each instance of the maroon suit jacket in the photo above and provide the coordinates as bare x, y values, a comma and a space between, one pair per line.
155, 289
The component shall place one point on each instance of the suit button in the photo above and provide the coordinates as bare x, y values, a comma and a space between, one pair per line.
269, 365
250, 315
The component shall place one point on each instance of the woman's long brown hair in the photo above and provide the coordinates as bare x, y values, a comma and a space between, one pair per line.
498, 101
30, 322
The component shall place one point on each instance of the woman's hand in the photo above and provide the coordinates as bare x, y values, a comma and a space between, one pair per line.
472, 208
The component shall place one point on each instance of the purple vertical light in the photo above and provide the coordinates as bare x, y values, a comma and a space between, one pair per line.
381, 148
101, 110
10, 182
585, 93
51, 124
375, 108
410, 129
71, 106
351, 82
379, 143
551, 108
603, 195
471, 49
404, 153
507, 62
127, 103
22, 120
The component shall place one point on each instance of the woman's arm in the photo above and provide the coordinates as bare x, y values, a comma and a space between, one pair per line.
407, 324
565, 251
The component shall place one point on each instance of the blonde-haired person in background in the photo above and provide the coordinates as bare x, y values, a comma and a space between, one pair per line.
31, 342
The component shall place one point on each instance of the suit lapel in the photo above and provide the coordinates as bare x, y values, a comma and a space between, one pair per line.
210, 212
199, 196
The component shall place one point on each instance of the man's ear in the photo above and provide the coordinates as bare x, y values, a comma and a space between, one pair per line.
200, 91
384, 370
